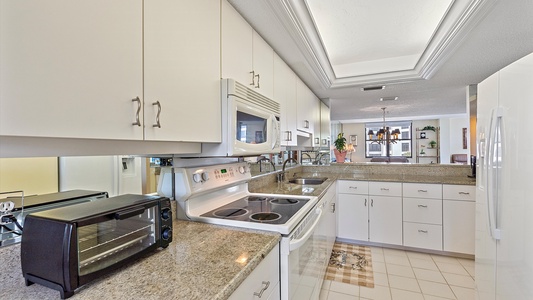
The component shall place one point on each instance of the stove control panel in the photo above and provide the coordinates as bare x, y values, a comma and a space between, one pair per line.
209, 177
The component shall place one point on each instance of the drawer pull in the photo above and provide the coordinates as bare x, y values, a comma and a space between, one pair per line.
422, 191
421, 205
422, 231
365, 202
464, 193
384, 189
353, 187
260, 294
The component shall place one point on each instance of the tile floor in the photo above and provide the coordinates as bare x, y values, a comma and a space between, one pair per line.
406, 275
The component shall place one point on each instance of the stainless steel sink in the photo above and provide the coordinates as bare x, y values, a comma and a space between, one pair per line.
308, 181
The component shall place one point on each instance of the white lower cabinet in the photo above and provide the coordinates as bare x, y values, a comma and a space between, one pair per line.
459, 210
263, 282
352, 217
385, 220
420, 235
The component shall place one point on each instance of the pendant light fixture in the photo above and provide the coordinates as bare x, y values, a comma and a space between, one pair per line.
384, 135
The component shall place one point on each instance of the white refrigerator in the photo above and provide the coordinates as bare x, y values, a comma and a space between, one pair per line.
504, 196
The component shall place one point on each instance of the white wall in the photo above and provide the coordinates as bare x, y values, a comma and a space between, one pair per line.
452, 137
38, 175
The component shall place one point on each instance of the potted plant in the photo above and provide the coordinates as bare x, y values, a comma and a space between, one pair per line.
432, 144
340, 148
429, 127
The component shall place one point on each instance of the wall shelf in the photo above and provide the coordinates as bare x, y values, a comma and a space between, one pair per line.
423, 143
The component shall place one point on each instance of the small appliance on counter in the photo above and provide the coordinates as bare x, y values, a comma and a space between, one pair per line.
21, 206
67, 247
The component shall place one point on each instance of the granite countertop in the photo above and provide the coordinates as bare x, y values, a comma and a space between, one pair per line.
459, 180
203, 262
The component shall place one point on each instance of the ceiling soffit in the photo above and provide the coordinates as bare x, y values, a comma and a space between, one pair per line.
460, 17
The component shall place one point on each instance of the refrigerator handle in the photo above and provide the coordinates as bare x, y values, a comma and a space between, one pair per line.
493, 171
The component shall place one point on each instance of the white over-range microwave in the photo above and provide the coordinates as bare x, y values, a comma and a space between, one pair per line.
250, 123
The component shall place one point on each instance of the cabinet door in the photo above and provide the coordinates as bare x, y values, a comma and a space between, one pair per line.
285, 95
459, 226
304, 105
237, 60
352, 217
263, 66
315, 117
182, 70
385, 220
325, 126
70, 68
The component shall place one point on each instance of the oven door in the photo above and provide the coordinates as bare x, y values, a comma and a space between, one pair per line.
252, 130
304, 259
116, 239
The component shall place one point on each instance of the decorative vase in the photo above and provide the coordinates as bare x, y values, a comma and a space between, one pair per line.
340, 156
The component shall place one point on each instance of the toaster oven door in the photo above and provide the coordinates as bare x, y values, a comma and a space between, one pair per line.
124, 234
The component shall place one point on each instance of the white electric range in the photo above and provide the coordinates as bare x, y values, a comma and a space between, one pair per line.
218, 194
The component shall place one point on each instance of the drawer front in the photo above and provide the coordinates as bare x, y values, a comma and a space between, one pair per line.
352, 187
265, 274
385, 188
422, 190
424, 236
422, 210
459, 192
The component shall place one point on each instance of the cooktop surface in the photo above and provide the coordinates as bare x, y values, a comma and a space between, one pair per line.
259, 209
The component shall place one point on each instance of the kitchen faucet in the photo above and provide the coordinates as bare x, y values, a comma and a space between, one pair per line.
265, 159
281, 176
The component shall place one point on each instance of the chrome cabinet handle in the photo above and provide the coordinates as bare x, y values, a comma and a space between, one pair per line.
332, 207
464, 193
421, 205
253, 78
422, 231
306, 124
157, 123
384, 189
317, 141
324, 142
365, 202
137, 121
372, 202
287, 136
257, 86
422, 191
260, 294
353, 187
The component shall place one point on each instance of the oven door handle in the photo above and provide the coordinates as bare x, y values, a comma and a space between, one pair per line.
295, 244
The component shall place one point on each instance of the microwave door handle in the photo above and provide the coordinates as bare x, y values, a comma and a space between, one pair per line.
128, 213
275, 134
295, 244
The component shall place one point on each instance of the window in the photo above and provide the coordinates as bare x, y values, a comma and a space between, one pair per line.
403, 144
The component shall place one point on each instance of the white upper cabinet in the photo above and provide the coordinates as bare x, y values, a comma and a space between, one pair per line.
285, 94
66, 75
306, 104
325, 126
246, 57
182, 70
70, 68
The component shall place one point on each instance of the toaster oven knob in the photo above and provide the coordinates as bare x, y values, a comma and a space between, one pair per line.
166, 234
166, 214
242, 169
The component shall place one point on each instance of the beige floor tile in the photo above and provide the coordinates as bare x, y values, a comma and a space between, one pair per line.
459, 280
466, 262
429, 275
445, 259
376, 293
418, 255
376, 250
323, 295
471, 270
381, 279
396, 252
405, 295
326, 284
429, 297
400, 270
451, 268
344, 288
379, 267
397, 260
436, 289
464, 293
423, 264
378, 257
404, 283
339, 296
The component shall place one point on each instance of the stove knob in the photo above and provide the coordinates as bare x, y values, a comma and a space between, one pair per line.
242, 169
205, 176
166, 214
167, 233
196, 177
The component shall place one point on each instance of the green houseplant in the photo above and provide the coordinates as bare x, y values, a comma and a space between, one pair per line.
432, 144
429, 127
340, 148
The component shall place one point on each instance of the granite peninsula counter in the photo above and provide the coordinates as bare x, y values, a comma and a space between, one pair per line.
200, 263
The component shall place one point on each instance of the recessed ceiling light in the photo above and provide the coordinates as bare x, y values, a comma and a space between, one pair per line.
388, 98
373, 88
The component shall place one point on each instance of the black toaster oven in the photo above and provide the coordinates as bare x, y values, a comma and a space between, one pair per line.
64, 248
